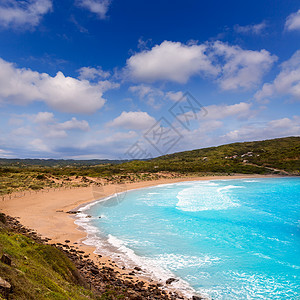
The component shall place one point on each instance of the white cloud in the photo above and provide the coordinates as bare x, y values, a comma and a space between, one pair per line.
136, 120
153, 96
239, 110
293, 21
44, 117
51, 128
171, 61
98, 7
287, 82
242, 68
22, 131
62, 93
144, 90
90, 73
255, 29
174, 96
39, 145
20, 14
74, 124
231, 66
273, 129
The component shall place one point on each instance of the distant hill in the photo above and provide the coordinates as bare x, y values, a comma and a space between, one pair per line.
280, 155
56, 162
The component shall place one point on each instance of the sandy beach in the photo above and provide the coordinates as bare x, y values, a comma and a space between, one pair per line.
46, 212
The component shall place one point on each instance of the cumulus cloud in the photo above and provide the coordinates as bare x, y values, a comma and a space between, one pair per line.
98, 7
242, 68
135, 120
89, 73
23, 14
287, 82
293, 21
171, 61
255, 29
232, 66
66, 94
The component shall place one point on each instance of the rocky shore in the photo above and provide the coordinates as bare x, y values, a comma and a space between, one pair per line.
99, 277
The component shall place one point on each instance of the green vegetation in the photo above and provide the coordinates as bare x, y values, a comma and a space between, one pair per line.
39, 271
277, 156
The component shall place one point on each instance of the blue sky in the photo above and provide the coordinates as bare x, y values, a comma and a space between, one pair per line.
102, 78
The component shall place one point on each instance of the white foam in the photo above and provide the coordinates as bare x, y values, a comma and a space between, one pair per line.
152, 266
250, 181
176, 262
206, 197
117, 249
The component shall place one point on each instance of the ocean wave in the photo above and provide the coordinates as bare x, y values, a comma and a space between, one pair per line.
206, 197
151, 266
119, 251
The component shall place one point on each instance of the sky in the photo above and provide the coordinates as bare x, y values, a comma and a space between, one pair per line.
112, 79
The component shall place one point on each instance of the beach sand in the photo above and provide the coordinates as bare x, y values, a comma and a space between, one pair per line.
46, 212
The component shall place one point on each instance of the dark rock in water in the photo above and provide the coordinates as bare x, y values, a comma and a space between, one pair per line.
170, 280
138, 269
88, 216
5, 288
73, 212
6, 259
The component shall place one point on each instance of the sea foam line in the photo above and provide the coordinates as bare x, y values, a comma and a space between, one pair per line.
116, 249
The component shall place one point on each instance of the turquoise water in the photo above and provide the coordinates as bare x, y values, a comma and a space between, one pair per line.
228, 239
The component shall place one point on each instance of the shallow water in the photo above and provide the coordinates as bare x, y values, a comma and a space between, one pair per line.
229, 239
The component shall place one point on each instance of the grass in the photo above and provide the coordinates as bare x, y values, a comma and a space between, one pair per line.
39, 271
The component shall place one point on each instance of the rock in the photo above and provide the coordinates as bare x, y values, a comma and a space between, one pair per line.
5, 288
72, 212
170, 280
138, 269
6, 259
94, 271
67, 241
197, 298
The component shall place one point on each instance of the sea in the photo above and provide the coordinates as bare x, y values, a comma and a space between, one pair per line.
223, 239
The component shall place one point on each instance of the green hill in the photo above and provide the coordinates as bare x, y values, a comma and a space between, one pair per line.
269, 156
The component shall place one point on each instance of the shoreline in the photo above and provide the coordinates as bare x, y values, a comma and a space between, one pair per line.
46, 213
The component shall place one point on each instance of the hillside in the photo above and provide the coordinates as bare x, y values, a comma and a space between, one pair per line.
269, 156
